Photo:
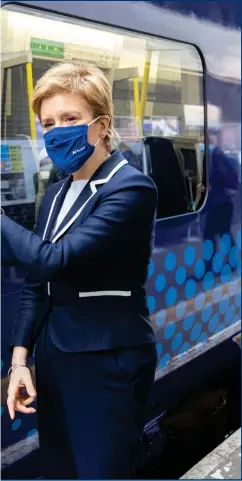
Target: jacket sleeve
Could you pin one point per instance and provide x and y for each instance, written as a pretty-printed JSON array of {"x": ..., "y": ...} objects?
[
  {"x": 123, "y": 213},
  {"x": 31, "y": 308},
  {"x": 30, "y": 314}
]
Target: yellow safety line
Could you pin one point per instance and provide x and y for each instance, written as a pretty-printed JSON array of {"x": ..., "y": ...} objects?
[{"x": 30, "y": 96}]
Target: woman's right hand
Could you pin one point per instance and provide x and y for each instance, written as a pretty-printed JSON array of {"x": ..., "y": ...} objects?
[{"x": 21, "y": 392}]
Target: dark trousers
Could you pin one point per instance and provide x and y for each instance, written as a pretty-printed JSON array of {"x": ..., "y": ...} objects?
[
  {"x": 218, "y": 222},
  {"x": 91, "y": 408}
]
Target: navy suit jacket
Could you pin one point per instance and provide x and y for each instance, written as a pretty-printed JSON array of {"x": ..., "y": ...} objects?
[{"x": 88, "y": 280}]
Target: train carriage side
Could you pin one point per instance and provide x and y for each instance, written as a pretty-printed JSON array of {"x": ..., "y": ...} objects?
[{"x": 177, "y": 119}]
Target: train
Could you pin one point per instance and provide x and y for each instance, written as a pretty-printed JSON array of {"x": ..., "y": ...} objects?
[{"x": 175, "y": 77}]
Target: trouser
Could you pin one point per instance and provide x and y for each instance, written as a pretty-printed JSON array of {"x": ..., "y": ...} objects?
[
  {"x": 218, "y": 222},
  {"x": 91, "y": 408}
]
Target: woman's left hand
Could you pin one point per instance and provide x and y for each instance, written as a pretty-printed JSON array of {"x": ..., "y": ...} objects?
[{"x": 21, "y": 392}]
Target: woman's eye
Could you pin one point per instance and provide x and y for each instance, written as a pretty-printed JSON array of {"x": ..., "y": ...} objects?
[
  {"x": 70, "y": 119},
  {"x": 47, "y": 125}
]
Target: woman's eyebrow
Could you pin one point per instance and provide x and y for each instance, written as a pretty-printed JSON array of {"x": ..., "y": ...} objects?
[
  {"x": 70, "y": 112},
  {"x": 62, "y": 114},
  {"x": 45, "y": 120}
]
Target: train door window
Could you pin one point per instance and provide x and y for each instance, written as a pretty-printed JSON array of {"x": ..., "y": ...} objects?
[
  {"x": 172, "y": 138},
  {"x": 18, "y": 161},
  {"x": 157, "y": 87}
]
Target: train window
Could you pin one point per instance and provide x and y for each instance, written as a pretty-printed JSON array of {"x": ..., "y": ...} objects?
[{"x": 157, "y": 87}]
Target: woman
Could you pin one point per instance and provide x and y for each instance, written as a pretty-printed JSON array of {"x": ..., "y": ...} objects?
[{"x": 83, "y": 304}]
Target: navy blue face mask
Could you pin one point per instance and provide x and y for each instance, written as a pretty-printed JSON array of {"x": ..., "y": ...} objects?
[{"x": 68, "y": 147}]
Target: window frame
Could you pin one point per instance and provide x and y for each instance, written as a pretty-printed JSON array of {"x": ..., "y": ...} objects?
[{"x": 33, "y": 9}]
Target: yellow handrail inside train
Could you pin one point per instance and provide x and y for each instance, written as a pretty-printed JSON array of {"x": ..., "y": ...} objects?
[
  {"x": 145, "y": 84},
  {"x": 32, "y": 123},
  {"x": 137, "y": 106}
]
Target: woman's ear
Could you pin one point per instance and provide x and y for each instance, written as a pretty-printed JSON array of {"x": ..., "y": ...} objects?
[{"x": 105, "y": 121}]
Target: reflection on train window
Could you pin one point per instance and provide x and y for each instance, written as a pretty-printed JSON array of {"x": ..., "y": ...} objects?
[{"x": 157, "y": 86}]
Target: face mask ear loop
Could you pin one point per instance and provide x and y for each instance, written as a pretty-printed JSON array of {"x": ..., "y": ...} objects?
[
  {"x": 110, "y": 133},
  {"x": 92, "y": 122},
  {"x": 97, "y": 142}
]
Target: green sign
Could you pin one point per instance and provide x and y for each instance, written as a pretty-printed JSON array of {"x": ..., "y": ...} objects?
[{"x": 47, "y": 48}]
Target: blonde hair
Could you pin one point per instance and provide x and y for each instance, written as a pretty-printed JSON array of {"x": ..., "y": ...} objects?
[{"x": 87, "y": 80}]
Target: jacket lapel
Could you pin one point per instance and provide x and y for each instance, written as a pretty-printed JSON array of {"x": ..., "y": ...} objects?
[
  {"x": 81, "y": 201},
  {"x": 102, "y": 175},
  {"x": 55, "y": 207}
]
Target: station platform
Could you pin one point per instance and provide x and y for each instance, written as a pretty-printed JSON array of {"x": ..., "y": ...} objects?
[{"x": 224, "y": 462}]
